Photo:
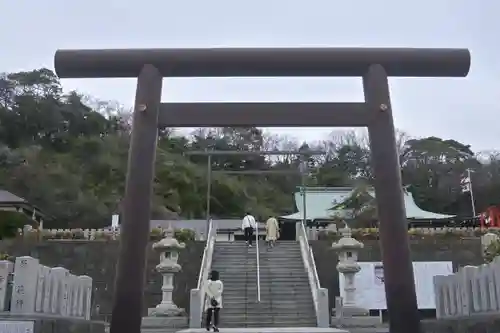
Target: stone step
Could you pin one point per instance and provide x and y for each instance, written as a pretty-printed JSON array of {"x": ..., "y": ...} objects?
[
  {"x": 267, "y": 294},
  {"x": 310, "y": 329},
  {"x": 274, "y": 310},
  {"x": 277, "y": 290},
  {"x": 268, "y": 286},
  {"x": 297, "y": 279},
  {"x": 263, "y": 317},
  {"x": 235, "y": 270},
  {"x": 267, "y": 299},
  {"x": 226, "y": 275},
  {"x": 243, "y": 244},
  {"x": 260, "y": 321},
  {"x": 277, "y": 297},
  {"x": 244, "y": 247},
  {"x": 292, "y": 257},
  {"x": 291, "y": 253},
  {"x": 262, "y": 247},
  {"x": 241, "y": 262},
  {"x": 252, "y": 256},
  {"x": 252, "y": 297},
  {"x": 252, "y": 283},
  {"x": 233, "y": 276},
  {"x": 289, "y": 289}
]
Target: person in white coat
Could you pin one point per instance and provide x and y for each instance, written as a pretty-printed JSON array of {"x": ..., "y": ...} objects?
[
  {"x": 213, "y": 300},
  {"x": 272, "y": 231},
  {"x": 248, "y": 225}
]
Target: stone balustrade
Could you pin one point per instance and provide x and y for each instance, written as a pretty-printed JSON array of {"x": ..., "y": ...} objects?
[
  {"x": 27, "y": 287},
  {"x": 471, "y": 290},
  {"x": 85, "y": 234},
  {"x": 315, "y": 233}
]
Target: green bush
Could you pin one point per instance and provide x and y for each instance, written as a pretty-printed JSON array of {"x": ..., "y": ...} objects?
[
  {"x": 184, "y": 235},
  {"x": 155, "y": 234},
  {"x": 492, "y": 251}
]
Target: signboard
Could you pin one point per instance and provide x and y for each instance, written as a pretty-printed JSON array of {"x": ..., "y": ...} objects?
[
  {"x": 370, "y": 289},
  {"x": 16, "y": 326},
  {"x": 115, "y": 221}
]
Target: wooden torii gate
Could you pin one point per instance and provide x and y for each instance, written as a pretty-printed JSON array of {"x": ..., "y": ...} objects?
[{"x": 374, "y": 65}]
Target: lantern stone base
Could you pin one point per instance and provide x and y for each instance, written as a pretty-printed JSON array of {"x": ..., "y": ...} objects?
[
  {"x": 354, "y": 311},
  {"x": 163, "y": 324},
  {"x": 166, "y": 310}
]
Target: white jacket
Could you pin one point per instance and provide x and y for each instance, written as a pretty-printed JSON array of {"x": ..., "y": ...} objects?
[
  {"x": 213, "y": 289},
  {"x": 248, "y": 221}
]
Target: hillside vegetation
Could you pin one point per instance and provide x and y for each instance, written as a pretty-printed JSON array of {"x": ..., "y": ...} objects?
[{"x": 67, "y": 154}]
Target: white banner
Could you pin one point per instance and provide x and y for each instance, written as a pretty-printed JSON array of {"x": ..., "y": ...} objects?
[{"x": 370, "y": 289}]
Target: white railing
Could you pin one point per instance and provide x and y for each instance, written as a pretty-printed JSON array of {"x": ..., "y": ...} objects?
[
  {"x": 197, "y": 296},
  {"x": 473, "y": 290},
  {"x": 257, "y": 253},
  {"x": 320, "y": 295}
]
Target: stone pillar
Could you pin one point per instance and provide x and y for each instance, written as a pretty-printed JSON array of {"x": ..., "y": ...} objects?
[
  {"x": 6, "y": 268},
  {"x": 86, "y": 296},
  {"x": 168, "y": 248},
  {"x": 347, "y": 249},
  {"x": 24, "y": 288}
]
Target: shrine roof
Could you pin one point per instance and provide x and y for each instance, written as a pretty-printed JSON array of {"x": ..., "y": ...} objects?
[{"x": 320, "y": 200}]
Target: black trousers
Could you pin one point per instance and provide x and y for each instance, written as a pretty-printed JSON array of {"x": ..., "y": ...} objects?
[
  {"x": 249, "y": 235},
  {"x": 213, "y": 312}
]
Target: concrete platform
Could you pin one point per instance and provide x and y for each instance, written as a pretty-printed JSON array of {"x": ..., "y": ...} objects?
[{"x": 269, "y": 330}]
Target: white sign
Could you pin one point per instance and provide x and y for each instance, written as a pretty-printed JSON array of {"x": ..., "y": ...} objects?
[
  {"x": 16, "y": 326},
  {"x": 370, "y": 289},
  {"x": 115, "y": 221}
]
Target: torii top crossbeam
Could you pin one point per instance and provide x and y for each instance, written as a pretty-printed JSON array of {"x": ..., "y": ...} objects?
[{"x": 263, "y": 62}]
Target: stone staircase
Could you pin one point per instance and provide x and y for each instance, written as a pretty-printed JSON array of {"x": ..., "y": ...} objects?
[{"x": 286, "y": 299}]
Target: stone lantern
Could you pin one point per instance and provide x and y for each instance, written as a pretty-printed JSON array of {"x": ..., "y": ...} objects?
[
  {"x": 347, "y": 249},
  {"x": 168, "y": 248}
]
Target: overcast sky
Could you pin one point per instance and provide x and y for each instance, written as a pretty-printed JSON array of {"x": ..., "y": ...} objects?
[{"x": 463, "y": 109}]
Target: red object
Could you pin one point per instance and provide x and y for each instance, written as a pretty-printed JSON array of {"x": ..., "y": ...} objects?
[{"x": 490, "y": 217}]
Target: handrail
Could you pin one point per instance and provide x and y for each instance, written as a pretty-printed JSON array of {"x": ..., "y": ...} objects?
[
  {"x": 204, "y": 259},
  {"x": 258, "y": 260},
  {"x": 311, "y": 257},
  {"x": 320, "y": 295},
  {"x": 197, "y": 297}
]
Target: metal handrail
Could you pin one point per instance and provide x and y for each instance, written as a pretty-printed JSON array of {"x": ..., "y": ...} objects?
[
  {"x": 258, "y": 260},
  {"x": 197, "y": 296},
  {"x": 204, "y": 259}
]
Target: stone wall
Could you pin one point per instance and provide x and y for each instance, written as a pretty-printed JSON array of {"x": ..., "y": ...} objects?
[
  {"x": 56, "y": 324},
  {"x": 97, "y": 259},
  {"x": 488, "y": 323},
  {"x": 459, "y": 251}
]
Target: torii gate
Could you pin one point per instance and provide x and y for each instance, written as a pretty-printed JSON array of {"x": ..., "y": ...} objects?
[{"x": 374, "y": 65}]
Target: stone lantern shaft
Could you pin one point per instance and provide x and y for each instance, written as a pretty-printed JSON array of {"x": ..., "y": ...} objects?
[
  {"x": 348, "y": 248},
  {"x": 168, "y": 248}
]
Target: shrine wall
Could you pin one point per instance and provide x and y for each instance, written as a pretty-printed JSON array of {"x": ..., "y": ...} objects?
[
  {"x": 460, "y": 252},
  {"x": 97, "y": 259}
]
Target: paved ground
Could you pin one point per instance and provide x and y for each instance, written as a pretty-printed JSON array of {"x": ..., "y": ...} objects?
[{"x": 269, "y": 330}]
